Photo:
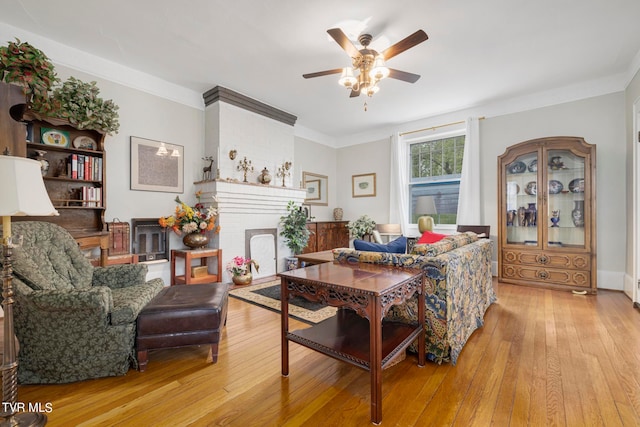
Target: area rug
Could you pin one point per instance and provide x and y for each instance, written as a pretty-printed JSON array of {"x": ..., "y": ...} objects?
[{"x": 267, "y": 295}]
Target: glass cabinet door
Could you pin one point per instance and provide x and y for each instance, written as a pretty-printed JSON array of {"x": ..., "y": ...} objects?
[
  {"x": 565, "y": 199},
  {"x": 522, "y": 199}
]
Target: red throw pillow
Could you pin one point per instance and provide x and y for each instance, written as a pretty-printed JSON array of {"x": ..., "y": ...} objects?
[{"x": 430, "y": 237}]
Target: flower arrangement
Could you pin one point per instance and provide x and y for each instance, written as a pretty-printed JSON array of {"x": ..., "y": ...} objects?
[
  {"x": 239, "y": 266},
  {"x": 361, "y": 226},
  {"x": 189, "y": 219}
]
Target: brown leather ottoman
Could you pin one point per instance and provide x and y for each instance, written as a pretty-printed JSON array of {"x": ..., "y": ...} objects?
[{"x": 182, "y": 315}]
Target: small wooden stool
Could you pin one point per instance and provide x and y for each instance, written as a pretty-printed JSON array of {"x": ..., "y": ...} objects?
[{"x": 181, "y": 316}]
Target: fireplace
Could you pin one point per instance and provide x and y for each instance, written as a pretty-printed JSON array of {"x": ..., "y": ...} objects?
[
  {"x": 150, "y": 241},
  {"x": 261, "y": 245},
  {"x": 251, "y": 212}
]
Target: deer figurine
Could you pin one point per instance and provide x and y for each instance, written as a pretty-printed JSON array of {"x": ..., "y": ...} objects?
[{"x": 206, "y": 171}]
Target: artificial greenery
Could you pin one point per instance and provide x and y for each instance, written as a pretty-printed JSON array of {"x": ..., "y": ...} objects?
[
  {"x": 78, "y": 102},
  {"x": 27, "y": 66},
  {"x": 361, "y": 226},
  {"x": 294, "y": 228}
]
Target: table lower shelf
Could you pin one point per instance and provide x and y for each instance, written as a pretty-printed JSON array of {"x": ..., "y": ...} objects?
[
  {"x": 209, "y": 278},
  {"x": 345, "y": 337}
]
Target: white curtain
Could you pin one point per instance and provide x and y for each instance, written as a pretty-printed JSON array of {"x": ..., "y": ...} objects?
[
  {"x": 399, "y": 203},
  {"x": 469, "y": 207}
]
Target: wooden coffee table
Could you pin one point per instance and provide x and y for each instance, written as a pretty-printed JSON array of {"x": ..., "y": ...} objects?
[{"x": 364, "y": 291}]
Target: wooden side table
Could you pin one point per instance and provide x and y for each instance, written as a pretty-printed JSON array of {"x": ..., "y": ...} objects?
[
  {"x": 356, "y": 336},
  {"x": 190, "y": 254},
  {"x": 93, "y": 240}
]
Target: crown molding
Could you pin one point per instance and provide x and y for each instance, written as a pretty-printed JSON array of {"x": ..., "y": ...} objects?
[
  {"x": 229, "y": 96},
  {"x": 61, "y": 54}
]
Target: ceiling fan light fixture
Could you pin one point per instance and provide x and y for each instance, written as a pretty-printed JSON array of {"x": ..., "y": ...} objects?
[
  {"x": 379, "y": 70},
  {"x": 347, "y": 79},
  {"x": 372, "y": 89}
]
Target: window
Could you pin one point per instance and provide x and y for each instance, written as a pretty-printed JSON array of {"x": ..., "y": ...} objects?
[{"x": 434, "y": 178}]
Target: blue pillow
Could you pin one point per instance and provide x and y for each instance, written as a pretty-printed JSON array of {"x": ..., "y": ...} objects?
[{"x": 397, "y": 246}]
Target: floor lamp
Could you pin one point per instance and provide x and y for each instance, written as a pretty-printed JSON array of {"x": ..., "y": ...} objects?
[{"x": 22, "y": 193}]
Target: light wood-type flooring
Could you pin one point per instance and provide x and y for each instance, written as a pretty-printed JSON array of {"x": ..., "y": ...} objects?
[{"x": 542, "y": 358}]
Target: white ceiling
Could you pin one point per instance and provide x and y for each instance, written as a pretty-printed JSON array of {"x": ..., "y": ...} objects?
[{"x": 478, "y": 52}]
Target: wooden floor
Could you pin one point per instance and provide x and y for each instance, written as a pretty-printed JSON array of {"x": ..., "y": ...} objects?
[{"x": 542, "y": 358}]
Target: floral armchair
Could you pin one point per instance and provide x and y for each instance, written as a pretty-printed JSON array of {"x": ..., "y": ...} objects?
[{"x": 73, "y": 321}]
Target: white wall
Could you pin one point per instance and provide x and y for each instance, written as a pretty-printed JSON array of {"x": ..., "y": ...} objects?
[
  {"x": 632, "y": 94},
  {"x": 600, "y": 120},
  {"x": 266, "y": 142},
  {"x": 321, "y": 160},
  {"x": 151, "y": 117},
  {"x": 359, "y": 159}
]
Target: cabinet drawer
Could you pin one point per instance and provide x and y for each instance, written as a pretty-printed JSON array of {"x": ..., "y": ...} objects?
[
  {"x": 575, "y": 261},
  {"x": 546, "y": 275}
]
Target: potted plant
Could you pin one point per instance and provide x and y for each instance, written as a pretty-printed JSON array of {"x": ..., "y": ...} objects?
[
  {"x": 27, "y": 66},
  {"x": 78, "y": 102},
  {"x": 361, "y": 227},
  {"x": 295, "y": 231}
]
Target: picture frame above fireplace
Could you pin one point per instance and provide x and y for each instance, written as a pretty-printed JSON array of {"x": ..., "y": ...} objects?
[{"x": 156, "y": 166}]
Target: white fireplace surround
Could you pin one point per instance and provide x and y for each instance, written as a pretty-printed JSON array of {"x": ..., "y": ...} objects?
[{"x": 243, "y": 206}]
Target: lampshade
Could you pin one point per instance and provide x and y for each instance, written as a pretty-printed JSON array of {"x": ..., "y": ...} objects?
[
  {"x": 426, "y": 205},
  {"x": 379, "y": 70},
  {"x": 22, "y": 191},
  {"x": 347, "y": 79}
]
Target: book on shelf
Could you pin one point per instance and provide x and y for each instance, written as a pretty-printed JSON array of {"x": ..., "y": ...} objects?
[{"x": 87, "y": 168}]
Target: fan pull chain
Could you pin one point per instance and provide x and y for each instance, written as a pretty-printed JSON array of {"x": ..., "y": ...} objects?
[{"x": 365, "y": 106}]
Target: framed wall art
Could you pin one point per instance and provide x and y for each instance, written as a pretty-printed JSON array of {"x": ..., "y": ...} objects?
[
  {"x": 156, "y": 166},
  {"x": 363, "y": 185},
  {"x": 317, "y": 189},
  {"x": 313, "y": 190}
]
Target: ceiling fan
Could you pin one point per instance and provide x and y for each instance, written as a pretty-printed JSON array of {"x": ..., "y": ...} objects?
[{"x": 369, "y": 63}]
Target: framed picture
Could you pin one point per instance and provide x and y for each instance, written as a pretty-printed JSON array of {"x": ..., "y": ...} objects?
[
  {"x": 156, "y": 166},
  {"x": 313, "y": 189},
  {"x": 317, "y": 189},
  {"x": 363, "y": 185}
]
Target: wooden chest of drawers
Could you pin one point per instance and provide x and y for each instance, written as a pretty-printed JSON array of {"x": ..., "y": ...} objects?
[
  {"x": 327, "y": 235},
  {"x": 553, "y": 269}
]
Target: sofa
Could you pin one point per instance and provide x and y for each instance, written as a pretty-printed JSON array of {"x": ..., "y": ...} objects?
[
  {"x": 73, "y": 321},
  {"x": 459, "y": 289}
]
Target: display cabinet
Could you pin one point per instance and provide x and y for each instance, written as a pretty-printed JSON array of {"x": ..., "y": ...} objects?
[{"x": 547, "y": 214}]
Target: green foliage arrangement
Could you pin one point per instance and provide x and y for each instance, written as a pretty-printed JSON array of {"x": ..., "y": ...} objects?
[
  {"x": 361, "y": 227},
  {"x": 294, "y": 228},
  {"x": 78, "y": 102},
  {"x": 27, "y": 66}
]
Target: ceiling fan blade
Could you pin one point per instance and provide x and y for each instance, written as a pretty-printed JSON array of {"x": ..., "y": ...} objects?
[
  {"x": 322, "y": 73},
  {"x": 354, "y": 93},
  {"x": 403, "y": 75},
  {"x": 342, "y": 39},
  {"x": 404, "y": 44}
]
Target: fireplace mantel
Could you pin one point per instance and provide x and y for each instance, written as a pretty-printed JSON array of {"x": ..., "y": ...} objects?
[
  {"x": 245, "y": 206},
  {"x": 235, "y": 197}
]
